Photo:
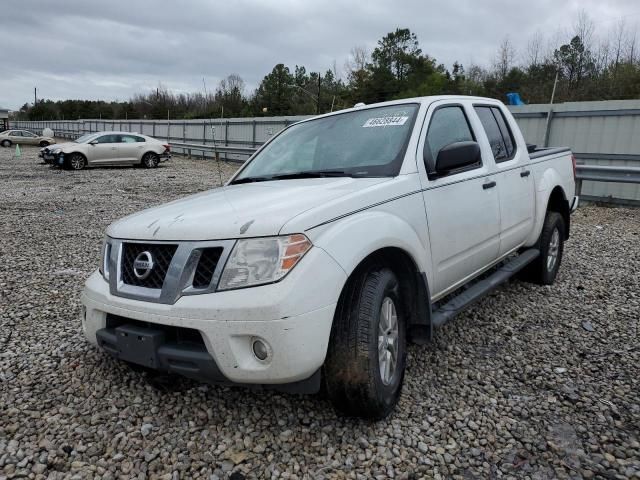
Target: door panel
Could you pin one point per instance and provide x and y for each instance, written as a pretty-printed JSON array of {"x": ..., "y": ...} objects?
[
  {"x": 104, "y": 152},
  {"x": 16, "y": 137},
  {"x": 464, "y": 229},
  {"x": 514, "y": 177},
  {"x": 130, "y": 148},
  {"x": 463, "y": 211},
  {"x": 517, "y": 206}
]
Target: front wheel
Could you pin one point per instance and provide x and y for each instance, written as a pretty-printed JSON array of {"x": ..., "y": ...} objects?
[
  {"x": 76, "y": 161},
  {"x": 150, "y": 160},
  {"x": 6, "y": 143},
  {"x": 366, "y": 358},
  {"x": 44, "y": 143},
  {"x": 543, "y": 270}
]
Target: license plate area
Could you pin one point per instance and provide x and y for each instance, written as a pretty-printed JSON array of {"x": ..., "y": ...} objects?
[{"x": 139, "y": 345}]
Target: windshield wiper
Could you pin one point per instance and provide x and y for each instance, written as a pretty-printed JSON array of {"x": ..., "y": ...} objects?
[
  {"x": 295, "y": 175},
  {"x": 312, "y": 174},
  {"x": 250, "y": 180}
]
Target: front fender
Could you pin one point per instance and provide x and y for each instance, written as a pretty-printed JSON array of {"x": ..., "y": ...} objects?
[{"x": 352, "y": 239}]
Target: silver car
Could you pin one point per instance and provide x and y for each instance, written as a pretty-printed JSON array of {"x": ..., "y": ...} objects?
[
  {"x": 23, "y": 137},
  {"x": 108, "y": 148}
]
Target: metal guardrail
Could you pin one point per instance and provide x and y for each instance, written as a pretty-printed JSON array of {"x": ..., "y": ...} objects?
[
  {"x": 606, "y": 173},
  {"x": 215, "y": 150}
]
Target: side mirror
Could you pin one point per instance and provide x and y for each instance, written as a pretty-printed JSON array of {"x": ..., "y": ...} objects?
[
  {"x": 93, "y": 142},
  {"x": 457, "y": 155}
]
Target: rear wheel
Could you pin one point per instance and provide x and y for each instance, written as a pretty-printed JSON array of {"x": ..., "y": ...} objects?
[
  {"x": 6, "y": 143},
  {"x": 366, "y": 358},
  {"x": 543, "y": 270},
  {"x": 150, "y": 160},
  {"x": 76, "y": 161}
]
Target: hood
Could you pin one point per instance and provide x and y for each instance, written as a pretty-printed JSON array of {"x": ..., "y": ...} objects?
[
  {"x": 235, "y": 211},
  {"x": 54, "y": 146}
]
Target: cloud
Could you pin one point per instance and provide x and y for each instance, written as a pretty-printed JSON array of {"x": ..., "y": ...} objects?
[{"x": 111, "y": 50}]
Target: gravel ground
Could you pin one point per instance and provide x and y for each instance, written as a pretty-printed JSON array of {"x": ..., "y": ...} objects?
[{"x": 533, "y": 382}]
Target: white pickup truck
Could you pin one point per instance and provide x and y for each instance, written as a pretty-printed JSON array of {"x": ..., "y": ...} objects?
[{"x": 341, "y": 239}]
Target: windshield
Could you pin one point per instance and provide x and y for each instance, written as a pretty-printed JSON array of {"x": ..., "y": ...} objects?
[
  {"x": 85, "y": 138},
  {"x": 369, "y": 142}
]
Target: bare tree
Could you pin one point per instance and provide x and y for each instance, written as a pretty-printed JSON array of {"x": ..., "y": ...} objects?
[
  {"x": 504, "y": 59},
  {"x": 534, "y": 54},
  {"x": 631, "y": 47},
  {"x": 619, "y": 40},
  {"x": 476, "y": 74},
  {"x": 232, "y": 84},
  {"x": 358, "y": 59},
  {"x": 583, "y": 27}
]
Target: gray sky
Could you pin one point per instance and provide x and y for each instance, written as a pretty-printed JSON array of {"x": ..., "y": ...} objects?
[{"x": 112, "y": 49}]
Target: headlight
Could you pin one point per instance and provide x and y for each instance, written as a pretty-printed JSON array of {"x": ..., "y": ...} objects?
[
  {"x": 104, "y": 259},
  {"x": 256, "y": 261},
  {"x": 56, "y": 151}
]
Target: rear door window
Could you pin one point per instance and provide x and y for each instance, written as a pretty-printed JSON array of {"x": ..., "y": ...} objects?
[
  {"x": 507, "y": 135},
  {"x": 498, "y": 133},
  {"x": 131, "y": 139}
]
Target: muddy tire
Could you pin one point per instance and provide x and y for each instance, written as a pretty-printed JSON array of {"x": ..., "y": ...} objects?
[
  {"x": 366, "y": 359},
  {"x": 6, "y": 143},
  {"x": 543, "y": 270}
]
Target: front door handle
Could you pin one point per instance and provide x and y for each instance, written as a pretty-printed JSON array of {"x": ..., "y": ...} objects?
[
  {"x": 488, "y": 185},
  {"x": 525, "y": 173}
]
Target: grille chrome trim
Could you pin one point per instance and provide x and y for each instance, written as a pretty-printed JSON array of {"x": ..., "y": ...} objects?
[{"x": 180, "y": 272}]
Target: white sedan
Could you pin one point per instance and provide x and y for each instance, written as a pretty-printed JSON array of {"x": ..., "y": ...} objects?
[
  {"x": 108, "y": 148},
  {"x": 24, "y": 137}
]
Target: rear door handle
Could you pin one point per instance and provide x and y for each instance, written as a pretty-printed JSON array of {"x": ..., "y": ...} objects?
[
  {"x": 488, "y": 185},
  {"x": 525, "y": 173}
]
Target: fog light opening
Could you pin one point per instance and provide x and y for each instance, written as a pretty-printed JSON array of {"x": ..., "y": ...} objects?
[{"x": 260, "y": 349}]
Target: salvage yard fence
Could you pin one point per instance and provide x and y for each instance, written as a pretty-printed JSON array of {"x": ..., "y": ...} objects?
[{"x": 604, "y": 136}]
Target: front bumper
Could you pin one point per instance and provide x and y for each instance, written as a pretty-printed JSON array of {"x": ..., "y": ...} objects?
[{"x": 294, "y": 322}]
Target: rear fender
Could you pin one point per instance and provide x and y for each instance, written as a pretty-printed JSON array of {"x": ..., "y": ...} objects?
[{"x": 549, "y": 180}]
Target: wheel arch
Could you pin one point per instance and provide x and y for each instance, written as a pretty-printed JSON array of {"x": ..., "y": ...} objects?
[
  {"x": 146, "y": 152},
  {"x": 357, "y": 241},
  {"x": 413, "y": 285},
  {"x": 557, "y": 202}
]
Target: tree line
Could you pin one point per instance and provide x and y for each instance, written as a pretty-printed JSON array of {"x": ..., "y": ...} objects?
[{"x": 586, "y": 67}]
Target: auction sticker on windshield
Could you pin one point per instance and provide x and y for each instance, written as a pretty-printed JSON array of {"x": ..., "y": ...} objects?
[{"x": 387, "y": 121}]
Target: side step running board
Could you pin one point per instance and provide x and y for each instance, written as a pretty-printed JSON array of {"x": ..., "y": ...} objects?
[{"x": 450, "y": 309}]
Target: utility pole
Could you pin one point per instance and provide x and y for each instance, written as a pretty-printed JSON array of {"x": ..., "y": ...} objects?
[
  {"x": 547, "y": 130},
  {"x": 318, "y": 102},
  {"x": 35, "y": 96}
]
